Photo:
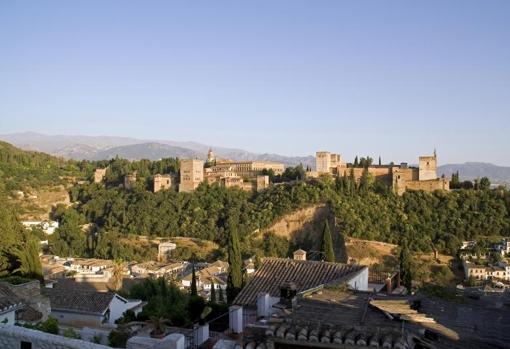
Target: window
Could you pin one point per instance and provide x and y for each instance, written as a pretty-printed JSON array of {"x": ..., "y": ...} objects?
[{"x": 25, "y": 345}]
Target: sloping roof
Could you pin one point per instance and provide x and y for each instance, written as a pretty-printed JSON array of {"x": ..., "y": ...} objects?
[
  {"x": 8, "y": 300},
  {"x": 79, "y": 300},
  {"x": 29, "y": 314},
  {"x": 275, "y": 272}
]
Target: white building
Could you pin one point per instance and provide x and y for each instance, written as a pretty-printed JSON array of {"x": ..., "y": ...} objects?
[
  {"x": 48, "y": 227},
  {"x": 80, "y": 308}
]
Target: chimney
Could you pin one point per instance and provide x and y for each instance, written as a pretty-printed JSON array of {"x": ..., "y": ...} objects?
[
  {"x": 235, "y": 318},
  {"x": 300, "y": 255},
  {"x": 388, "y": 285},
  {"x": 263, "y": 305}
]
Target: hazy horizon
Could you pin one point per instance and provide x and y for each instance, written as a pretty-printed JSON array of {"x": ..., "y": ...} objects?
[{"x": 394, "y": 79}]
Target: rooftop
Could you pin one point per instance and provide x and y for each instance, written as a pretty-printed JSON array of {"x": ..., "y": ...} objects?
[
  {"x": 79, "y": 300},
  {"x": 275, "y": 272}
]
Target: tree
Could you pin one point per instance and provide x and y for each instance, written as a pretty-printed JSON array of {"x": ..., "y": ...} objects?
[
  {"x": 117, "y": 274},
  {"x": 406, "y": 268},
  {"x": 364, "y": 183},
  {"x": 485, "y": 183},
  {"x": 213, "y": 292},
  {"x": 193, "y": 289},
  {"x": 455, "y": 182},
  {"x": 327, "y": 244},
  {"x": 28, "y": 258},
  {"x": 235, "y": 273},
  {"x": 356, "y": 163}
]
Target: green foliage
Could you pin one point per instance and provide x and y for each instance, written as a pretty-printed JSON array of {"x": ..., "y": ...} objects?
[
  {"x": 235, "y": 274},
  {"x": 70, "y": 333},
  {"x": 406, "y": 265},
  {"x": 163, "y": 299},
  {"x": 193, "y": 289},
  {"x": 327, "y": 244},
  {"x": 213, "y": 292},
  {"x": 49, "y": 326},
  {"x": 118, "y": 337},
  {"x": 274, "y": 245},
  {"x": 29, "y": 261}
]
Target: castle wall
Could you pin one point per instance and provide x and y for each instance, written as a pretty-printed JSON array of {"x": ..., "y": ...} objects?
[{"x": 429, "y": 185}]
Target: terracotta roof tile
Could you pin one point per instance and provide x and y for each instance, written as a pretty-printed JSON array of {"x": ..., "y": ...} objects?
[{"x": 274, "y": 272}]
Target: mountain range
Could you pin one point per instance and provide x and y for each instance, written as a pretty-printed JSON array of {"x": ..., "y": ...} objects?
[{"x": 80, "y": 147}]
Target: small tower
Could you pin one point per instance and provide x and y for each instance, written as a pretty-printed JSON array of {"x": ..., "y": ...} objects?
[
  {"x": 211, "y": 158},
  {"x": 300, "y": 255}
]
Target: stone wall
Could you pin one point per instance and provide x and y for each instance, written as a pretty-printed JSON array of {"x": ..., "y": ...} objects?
[{"x": 13, "y": 336}]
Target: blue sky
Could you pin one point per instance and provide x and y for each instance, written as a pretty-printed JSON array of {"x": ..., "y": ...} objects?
[{"x": 389, "y": 78}]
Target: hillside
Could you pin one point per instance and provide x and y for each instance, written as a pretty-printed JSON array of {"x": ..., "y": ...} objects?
[
  {"x": 20, "y": 169},
  {"x": 151, "y": 151}
]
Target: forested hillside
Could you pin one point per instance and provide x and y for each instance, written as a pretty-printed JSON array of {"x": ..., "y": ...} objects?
[
  {"x": 20, "y": 169},
  {"x": 365, "y": 210},
  {"x": 439, "y": 220}
]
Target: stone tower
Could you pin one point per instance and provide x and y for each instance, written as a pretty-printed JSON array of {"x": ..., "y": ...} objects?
[
  {"x": 428, "y": 167},
  {"x": 322, "y": 161},
  {"x": 162, "y": 182},
  {"x": 192, "y": 174}
]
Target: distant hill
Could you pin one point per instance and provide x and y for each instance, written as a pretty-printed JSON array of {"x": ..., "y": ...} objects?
[
  {"x": 151, "y": 151},
  {"x": 472, "y": 170},
  {"x": 79, "y": 147}
]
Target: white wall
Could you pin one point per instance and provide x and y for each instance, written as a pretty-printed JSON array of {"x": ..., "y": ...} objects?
[
  {"x": 118, "y": 306},
  {"x": 12, "y": 336},
  {"x": 360, "y": 281},
  {"x": 76, "y": 319},
  {"x": 9, "y": 316}
]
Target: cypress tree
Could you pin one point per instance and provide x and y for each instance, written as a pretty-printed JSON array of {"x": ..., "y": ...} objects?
[
  {"x": 235, "y": 274},
  {"x": 379, "y": 160},
  {"x": 356, "y": 162},
  {"x": 193, "y": 288},
  {"x": 30, "y": 263},
  {"x": 213, "y": 292},
  {"x": 405, "y": 262},
  {"x": 221, "y": 298},
  {"x": 327, "y": 244}
]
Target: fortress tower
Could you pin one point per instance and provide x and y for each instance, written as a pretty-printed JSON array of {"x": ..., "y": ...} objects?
[
  {"x": 192, "y": 174},
  {"x": 162, "y": 182},
  {"x": 428, "y": 167}
]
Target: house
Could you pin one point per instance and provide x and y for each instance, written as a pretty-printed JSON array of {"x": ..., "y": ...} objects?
[
  {"x": 156, "y": 269},
  {"x": 22, "y": 303},
  {"x": 213, "y": 273},
  {"x": 48, "y": 227},
  {"x": 88, "y": 265},
  {"x": 79, "y": 307},
  {"x": 9, "y": 304},
  {"x": 304, "y": 274}
]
